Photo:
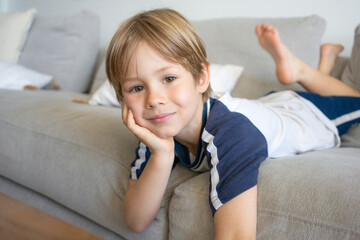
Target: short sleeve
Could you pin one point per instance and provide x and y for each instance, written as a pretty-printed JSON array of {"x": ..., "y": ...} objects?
[{"x": 235, "y": 148}]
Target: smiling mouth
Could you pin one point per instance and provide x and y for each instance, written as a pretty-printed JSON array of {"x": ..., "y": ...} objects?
[{"x": 161, "y": 118}]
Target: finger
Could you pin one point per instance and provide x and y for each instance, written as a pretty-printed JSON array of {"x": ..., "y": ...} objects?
[
  {"x": 130, "y": 117},
  {"x": 131, "y": 123},
  {"x": 142, "y": 133},
  {"x": 139, "y": 131},
  {"x": 125, "y": 111}
]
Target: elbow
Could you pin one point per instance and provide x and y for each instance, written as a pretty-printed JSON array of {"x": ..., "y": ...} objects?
[
  {"x": 136, "y": 219},
  {"x": 135, "y": 226}
]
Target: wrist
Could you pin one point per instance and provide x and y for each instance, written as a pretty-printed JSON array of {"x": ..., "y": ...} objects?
[
  {"x": 163, "y": 148},
  {"x": 164, "y": 158},
  {"x": 163, "y": 154}
]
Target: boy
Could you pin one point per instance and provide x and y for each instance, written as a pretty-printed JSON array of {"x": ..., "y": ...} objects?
[{"x": 157, "y": 64}]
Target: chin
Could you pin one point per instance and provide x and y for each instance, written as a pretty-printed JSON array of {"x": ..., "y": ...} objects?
[{"x": 164, "y": 134}]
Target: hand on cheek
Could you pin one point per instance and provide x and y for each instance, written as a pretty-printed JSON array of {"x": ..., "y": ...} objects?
[
  {"x": 153, "y": 142},
  {"x": 128, "y": 117}
]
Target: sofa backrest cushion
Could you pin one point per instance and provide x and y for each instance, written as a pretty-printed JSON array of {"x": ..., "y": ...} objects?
[
  {"x": 14, "y": 28},
  {"x": 234, "y": 41},
  {"x": 65, "y": 47},
  {"x": 351, "y": 74}
]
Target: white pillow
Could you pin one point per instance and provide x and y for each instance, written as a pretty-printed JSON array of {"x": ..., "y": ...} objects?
[
  {"x": 105, "y": 95},
  {"x": 14, "y": 29},
  {"x": 223, "y": 78},
  {"x": 16, "y": 77}
]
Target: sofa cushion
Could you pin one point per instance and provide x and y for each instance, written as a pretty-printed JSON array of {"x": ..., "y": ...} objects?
[
  {"x": 351, "y": 74},
  {"x": 318, "y": 191},
  {"x": 76, "y": 154},
  {"x": 234, "y": 41},
  {"x": 14, "y": 28},
  {"x": 64, "y": 47}
]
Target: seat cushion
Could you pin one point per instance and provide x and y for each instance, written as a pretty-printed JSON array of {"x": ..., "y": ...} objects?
[
  {"x": 315, "y": 195},
  {"x": 75, "y": 154}
]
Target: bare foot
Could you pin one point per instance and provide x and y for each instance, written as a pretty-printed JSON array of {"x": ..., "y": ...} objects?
[
  {"x": 286, "y": 63},
  {"x": 329, "y": 53}
]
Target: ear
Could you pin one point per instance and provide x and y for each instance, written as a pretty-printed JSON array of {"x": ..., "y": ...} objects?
[{"x": 204, "y": 81}]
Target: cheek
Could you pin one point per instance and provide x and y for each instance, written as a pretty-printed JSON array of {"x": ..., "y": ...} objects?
[
  {"x": 135, "y": 106},
  {"x": 186, "y": 95}
]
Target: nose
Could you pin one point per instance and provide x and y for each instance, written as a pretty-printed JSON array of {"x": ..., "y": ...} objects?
[{"x": 155, "y": 98}]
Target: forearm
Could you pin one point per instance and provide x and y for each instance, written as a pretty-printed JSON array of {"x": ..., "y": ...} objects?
[
  {"x": 143, "y": 198},
  {"x": 236, "y": 219}
]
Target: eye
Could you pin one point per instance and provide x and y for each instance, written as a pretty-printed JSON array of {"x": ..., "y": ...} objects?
[
  {"x": 169, "y": 79},
  {"x": 137, "y": 89}
]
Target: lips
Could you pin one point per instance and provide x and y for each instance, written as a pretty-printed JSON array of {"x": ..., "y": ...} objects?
[{"x": 161, "y": 118}]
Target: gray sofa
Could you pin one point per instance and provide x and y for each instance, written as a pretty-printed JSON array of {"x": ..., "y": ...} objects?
[{"x": 73, "y": 160}]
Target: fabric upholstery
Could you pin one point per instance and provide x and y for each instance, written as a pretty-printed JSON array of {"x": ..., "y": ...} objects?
[
  {"x": 65, "y": 47},
  {"x": 314, "y": 195},
  {"x": 74, "y": 155}
]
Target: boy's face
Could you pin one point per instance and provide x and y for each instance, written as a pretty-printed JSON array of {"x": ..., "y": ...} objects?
[{"x": 163, "y": 95}]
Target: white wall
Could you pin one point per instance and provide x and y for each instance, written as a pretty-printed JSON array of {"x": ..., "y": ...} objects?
[{"x": 342, "y": 16}]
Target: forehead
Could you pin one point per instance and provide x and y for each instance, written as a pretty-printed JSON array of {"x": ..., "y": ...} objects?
[{"x": 147, "y": 59}]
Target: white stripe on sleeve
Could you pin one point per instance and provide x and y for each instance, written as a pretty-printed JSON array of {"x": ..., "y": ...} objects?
[{"x": 211, "y": 148}]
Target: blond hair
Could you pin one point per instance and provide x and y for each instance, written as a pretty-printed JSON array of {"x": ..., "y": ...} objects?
[{"x": 165, "y": 30}]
